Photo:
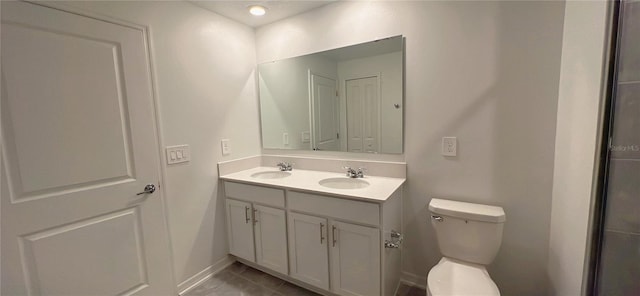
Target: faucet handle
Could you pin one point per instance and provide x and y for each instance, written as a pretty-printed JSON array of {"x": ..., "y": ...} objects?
[
  {"x": 351, "y": 173},
  {"x": 284, "y": 166}
]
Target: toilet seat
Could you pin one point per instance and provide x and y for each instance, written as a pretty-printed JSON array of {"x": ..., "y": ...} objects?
[{"x": 451, "y": 277}]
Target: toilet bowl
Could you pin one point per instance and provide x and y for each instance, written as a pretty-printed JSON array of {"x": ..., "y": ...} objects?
[
  {"x": 469, "y": 236},
  {"x": 451, "y": 277}
]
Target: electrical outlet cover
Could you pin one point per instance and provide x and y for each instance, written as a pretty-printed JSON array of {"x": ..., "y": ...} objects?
[
  {"x": 226, "y": 148},
  {"x": 449, "y": 146}
]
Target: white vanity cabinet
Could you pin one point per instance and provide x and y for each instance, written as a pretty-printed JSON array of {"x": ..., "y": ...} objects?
[
  {"x": 353, "y": 251},
  {"x": 270, "y": 232},
  {"x": 332, "y": 243},
  {"x": 308, "y": 249},
  {"x": 257, "y": 233},
  {"x": 352, "y": 240},
  {"x": 240, "y": 229},
  {"x": 355, "y": 259}
]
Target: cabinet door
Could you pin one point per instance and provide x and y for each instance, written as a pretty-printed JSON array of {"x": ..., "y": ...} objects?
[
  {"x": 355, "y": 259},
  {"x": 240, "y": 229},
  {"x": 308, "y": 249},
  {"x": 271, "y": 238}
]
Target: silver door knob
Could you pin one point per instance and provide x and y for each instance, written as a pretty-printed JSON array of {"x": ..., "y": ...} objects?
[{"x": 150, "y": 188}]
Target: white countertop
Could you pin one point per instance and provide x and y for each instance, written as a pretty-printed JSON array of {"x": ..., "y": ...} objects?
[{"x": 379, "y": 189}]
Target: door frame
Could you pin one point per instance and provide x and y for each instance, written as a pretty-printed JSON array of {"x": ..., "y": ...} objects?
[
  {"x": 595, "y": 230},
  {"x": 156, "y": 114},
  {"x": 343, "y": 103}
]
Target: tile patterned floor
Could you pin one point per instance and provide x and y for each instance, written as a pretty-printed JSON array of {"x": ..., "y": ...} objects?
[{"x": 241, "y": 280}]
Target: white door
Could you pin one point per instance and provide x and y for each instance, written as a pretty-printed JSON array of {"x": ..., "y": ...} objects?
[
  {"x": 78, "y": 143},
  {"x": 240, "y": 229},
  {"x": 271, "y": 238},
  {"x": 308, "y": 249},
  {"x": 325, "y": 113},
  {"x": 363, "y": 115},
  {"x": 355, "y": 260}
]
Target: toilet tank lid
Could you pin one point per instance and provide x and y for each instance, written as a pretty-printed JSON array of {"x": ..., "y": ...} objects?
[{"x": 466, "y": 210}]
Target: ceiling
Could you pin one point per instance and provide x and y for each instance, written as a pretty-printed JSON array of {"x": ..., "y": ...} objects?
[{"x": 276, "y": 10}]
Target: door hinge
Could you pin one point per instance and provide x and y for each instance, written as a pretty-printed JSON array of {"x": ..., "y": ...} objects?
[
  {"x": 337, "y": 93},
  {"x": 338, "y": 136}
]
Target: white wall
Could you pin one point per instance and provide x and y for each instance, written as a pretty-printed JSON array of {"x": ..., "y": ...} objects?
[
  {"x": 579, "y": 99},
  {"x": 486, "y": 72},
  {"x": 204, "y": 66},
  {"x": 389, "y": 66}
]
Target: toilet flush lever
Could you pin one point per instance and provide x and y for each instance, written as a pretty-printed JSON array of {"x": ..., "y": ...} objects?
[
  {"x": 395, "y": 242},
  {"x": 437, "y": 218}
]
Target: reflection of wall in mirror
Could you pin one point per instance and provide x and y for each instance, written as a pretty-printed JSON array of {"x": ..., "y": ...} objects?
[
  {"x": 389, "y": 67},
  {"x": 284, "y": 99}
]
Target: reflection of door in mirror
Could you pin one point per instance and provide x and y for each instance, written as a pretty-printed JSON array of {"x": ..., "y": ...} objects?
[
  {"x": 324, "y": 105},
  {"x": 363, "y": 116}
]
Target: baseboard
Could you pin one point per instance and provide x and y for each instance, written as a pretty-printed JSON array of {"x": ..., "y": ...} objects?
[
  {"x": 415, "y": 280},
  {"x": 204, "y": 275}
]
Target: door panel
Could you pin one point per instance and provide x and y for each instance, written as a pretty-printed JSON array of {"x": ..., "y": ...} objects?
[
  {"x": 355, "y": 117},
  {"x": 240, "y": 229},
  {"x": 74, "y": 157},
  {"x": 65, "y": 142},
  {"x": 325, "y": 113},
  {"x": 355, "y": 259},
  {"x": 308, "y": 249},
  {"x": 79, "y": 248},
  {"x": 363, "y": 115},
  {"x": 271, "y": 238},
  {"x": 371, "y": 119}
]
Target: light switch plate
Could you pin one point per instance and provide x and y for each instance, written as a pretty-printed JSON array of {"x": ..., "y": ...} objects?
[
  {"x": 226, "y": 148},
  {"x": 285, "y": 139},
  {"x": 178, "y": 154},
  {"x": 306, "y": 137},
  {"x": 449, "y": 146}
]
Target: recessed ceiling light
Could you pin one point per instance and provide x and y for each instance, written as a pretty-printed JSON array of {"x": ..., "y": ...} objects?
[{"x": 257, "y": 10}]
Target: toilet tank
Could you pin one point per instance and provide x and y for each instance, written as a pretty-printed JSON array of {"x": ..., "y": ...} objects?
[{"x": 467, "y": 231}]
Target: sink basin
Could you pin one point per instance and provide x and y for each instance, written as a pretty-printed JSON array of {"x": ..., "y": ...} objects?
[
  {"x": 271, "y": 175},
  {"x": 344, "y": 183}
]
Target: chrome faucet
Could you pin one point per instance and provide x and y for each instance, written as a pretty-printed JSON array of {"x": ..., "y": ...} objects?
[
  {"x": 284, "y": 166},
  {"x": 352, "y": 173}
]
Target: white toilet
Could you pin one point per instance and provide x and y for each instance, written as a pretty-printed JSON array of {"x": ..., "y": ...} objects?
[{"x": 469, "y": 236}]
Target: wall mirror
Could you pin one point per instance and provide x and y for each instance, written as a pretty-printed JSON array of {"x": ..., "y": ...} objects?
[{"x": 346, "y": 99}]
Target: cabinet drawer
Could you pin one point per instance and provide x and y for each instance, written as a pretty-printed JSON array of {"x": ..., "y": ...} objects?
[
  {"x": 350, "y": 210},
  {"x": 258, "y": 194}
]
